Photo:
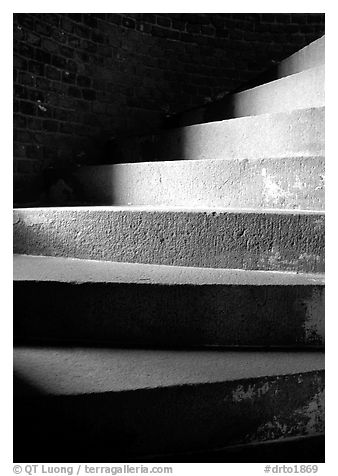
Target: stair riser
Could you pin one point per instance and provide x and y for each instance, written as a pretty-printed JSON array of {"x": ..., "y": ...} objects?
[
  {"x": 298, "y": 91},
  {"x": 296, "y": 183},
  {"x": 180, "y": 418},
  {"x": 170, "y": 316},
  {"x": 297, "y": 133},
  {"x": 269, "y": 241}
]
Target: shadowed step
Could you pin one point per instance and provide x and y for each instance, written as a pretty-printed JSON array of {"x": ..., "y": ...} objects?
[
  {"x": 297, "y": 133},
  {"x": 298, "y": 91},
  {"x": 151, "y": 402},
  {"x": 166, "y": 306}
]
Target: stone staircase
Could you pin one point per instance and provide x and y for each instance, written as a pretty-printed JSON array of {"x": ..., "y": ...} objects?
[{"x": 179, "y": 314}]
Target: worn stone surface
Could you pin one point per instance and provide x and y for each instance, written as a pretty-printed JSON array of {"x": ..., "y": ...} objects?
[
  {"x": 165, "y": 306},
  {"x": 308, "y": 57},
  {"x": 72, "y": 270},
  {"x": 297, "y": 133},
  {"x": 297, "y": 183},
  {"x": 270, "y": 240},
  {"x": 297, "y": 91},
  {"x": 160, "y": 401}
]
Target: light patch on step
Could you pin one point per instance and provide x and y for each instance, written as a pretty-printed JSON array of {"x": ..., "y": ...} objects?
[
  {"x": 272, "y": 191},
  {"x": 314, "y": 412},
  {"x": 314, "y": 326},
  {"x": 298, "y": 184},
  {"x": 240, "y": 393},
  {"x": 322, "y": 184},
  {"x": 31, "y": 219}
]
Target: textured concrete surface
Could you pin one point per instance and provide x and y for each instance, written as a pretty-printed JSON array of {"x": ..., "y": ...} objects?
[
  {"x": 161, "y": 402},
  {"x": 297, "y": 91},
  {"x": 265, "y": 183},
  {"x": 62, "y": 299},
  {"x": 297, "y": 133},
  {"x": 68, "y": 270},
  {"x": 273, "y": 240},
  {"x": 78, "y": 370}
]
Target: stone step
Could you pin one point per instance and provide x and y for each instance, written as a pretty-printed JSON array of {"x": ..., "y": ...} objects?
[
  {"x": 281, "y": 240},
  {"x": 289, "y": 182},
  {"x": 297, "y": 133},
  {"x": 157, "y": 402},
  {"x": 310, "y": 56},
  {"x": 166, "y": 306},
  {"x": 297, "y": 91}
]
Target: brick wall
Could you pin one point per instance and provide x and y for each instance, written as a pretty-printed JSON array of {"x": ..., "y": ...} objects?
[{"x": 80, "y": 79}]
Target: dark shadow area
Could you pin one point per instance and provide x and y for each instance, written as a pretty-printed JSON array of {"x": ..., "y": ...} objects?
[
  {"x": 180, "y": 423},
  {"x": 169, "y": 316}
]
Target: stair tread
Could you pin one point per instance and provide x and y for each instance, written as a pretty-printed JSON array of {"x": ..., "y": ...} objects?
[
  {"x": 78, "y": 370},
  {"x": 200, "y": 161},
  {"x": 166, "y": 209},
  {"x": 46, "y": 268}
]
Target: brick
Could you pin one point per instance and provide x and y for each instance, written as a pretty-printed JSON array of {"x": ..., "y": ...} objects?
[
  {"x": 21, "y": 136},
  {"x": 19, "y": 63},
  {"x": 99, "y": 108},
  {"x": 83, "y": 81},
  {"x": 25, "y": 20},
  {"x": 19, "y": 33},
  {"x": 163, "y": 21},
  {"x": 89, "y": 94},
  {"x": 36, "y": 68},
  {"x": 53, "y": 73},
  {"x": 19, "y": 122},
  {"x": 42, "y": 56},
  {"x": 66, "y": 128},
  {"x": 33, "y": 39},
  {"x": 19, "y": 150},
  {"x": 28, "y": 166},
  {"x": 33, "y": 123},
  {"x": 24, "y": 50},
  {"x": 207, "y": 30},
  {"x": 77, "y": 17},
  {"x": 268, "y": 17},
  {"x": 75, "y": 92},
  {"x": 59, "y": 62},
  {"x": 33, "y": 151},
  {"x": 68, "y": 77},
  {"x": 20, "y": 92},
  {"x": 81, "y": 31},
  {"x": 50, "y": 125},
  {"x": 42, "y": 83},
  {"x": 67, "y": 25},
  {"x": 313, "y": 18},
  {"x": 90, "y": 20},
  {"x": 43, "y": 29},
  {"x": 193, "y": 28},
  {"x": 89, "y": 46},
  {"x": 52, "y": 18},
  {"x": 149, "y": 17},
  {"x": 27, "y": 108},
  {"x": 35, "y": 95}
]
